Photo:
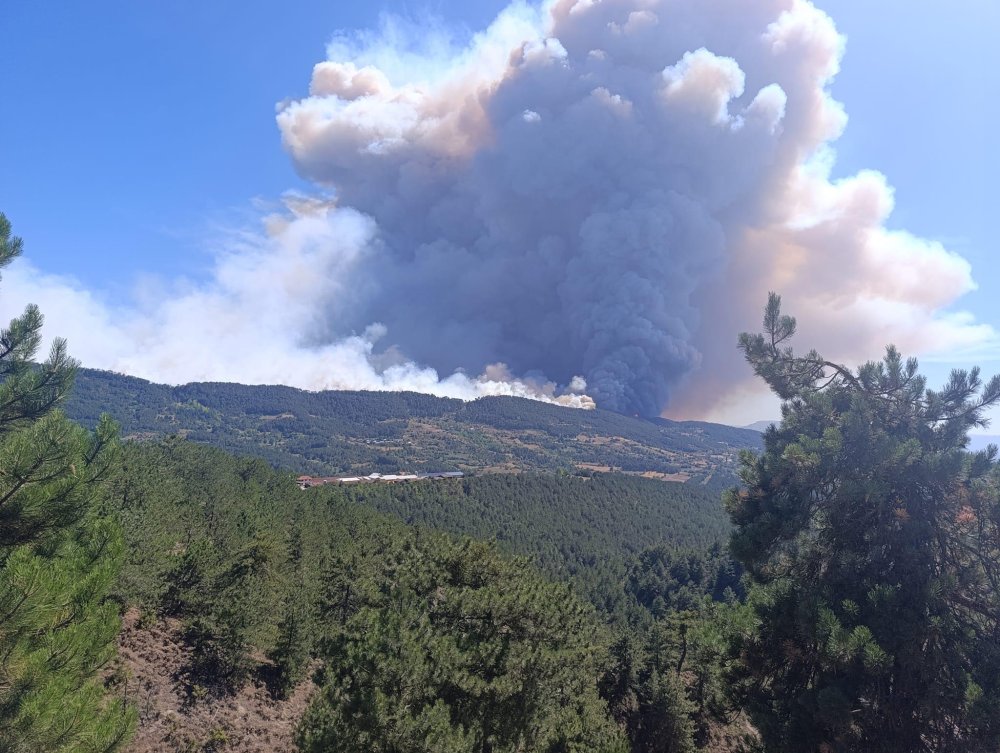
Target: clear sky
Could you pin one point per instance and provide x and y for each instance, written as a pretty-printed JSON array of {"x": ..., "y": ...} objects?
[{"x": 131, "y": 129}]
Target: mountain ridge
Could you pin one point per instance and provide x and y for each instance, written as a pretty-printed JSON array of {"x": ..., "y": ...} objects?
[{"x": 349, "y": 431}]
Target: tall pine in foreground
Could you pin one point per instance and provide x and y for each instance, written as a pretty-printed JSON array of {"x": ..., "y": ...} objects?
[
  {"x": 57, "y": 561},
  {"x": 873, "y": 543}
]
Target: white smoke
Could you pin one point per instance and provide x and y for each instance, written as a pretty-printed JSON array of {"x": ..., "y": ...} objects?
[
  {"x": 592, "y": 196},
  {"x": 255, "y": 321}
]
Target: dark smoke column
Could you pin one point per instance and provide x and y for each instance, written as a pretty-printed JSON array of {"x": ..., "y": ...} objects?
[{"x": 562, "y": 196}]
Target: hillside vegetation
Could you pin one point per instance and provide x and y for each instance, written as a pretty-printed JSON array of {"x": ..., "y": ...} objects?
[
  {"x": 581, "y": 530},
  {"x": 325, "y": 433},
  {"x": 251, "y": 581}
]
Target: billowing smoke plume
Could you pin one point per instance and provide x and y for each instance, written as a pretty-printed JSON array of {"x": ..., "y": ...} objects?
[
  {"x": 610, "y": 188},
  {"x": 592, "y": 197}
]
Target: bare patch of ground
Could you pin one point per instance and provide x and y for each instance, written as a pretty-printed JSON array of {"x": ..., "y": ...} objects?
[
  {"x": 678, "y": 477},
  {"x": 738, "y": 736},
  {"x": 249, "y": 721}
]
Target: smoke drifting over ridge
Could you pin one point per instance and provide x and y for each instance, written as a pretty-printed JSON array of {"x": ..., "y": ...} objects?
[{"x": 594, "y": 196}]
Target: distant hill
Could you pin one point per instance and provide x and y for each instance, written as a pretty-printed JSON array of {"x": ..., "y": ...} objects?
[
  {"x": 332, "y": 432},
  {"x": 761, "y": 426}
]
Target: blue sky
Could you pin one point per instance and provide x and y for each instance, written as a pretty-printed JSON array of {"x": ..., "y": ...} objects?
[
  {"x": 920, "y": 85},
  {"x": 132, "y": 127},
  {"x": 132, "y": 130}
]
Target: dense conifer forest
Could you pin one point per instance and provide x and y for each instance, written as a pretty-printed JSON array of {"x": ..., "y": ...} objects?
[{"x": 582, "y": 530}]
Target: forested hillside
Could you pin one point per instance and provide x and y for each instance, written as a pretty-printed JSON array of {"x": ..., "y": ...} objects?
[
  {"x": 324, "y": 433},
  {"x": 583, "y": 530},
  {"x": 254, "y": 581}
]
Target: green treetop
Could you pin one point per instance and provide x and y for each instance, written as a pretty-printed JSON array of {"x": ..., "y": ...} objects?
[
  {"x": 57, "y": 561},
  {"x": 451, "y": 647},
  {"x": 872, "y": 541}
]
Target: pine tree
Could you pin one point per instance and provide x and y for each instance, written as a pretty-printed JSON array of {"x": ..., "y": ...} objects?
[
  {"x": 645, "y": 692},
  {"x": 222, "y": 633},
  {"x": 293, "y": 647},
  {"x": 57, "y": 559},
  {"x": 452, "y": 647},
  {"x": 665, "y": 724},
  {"x": 872, "y": 541},
  {"x": 620, "y": 684},
  {"x": 291, "y": 651}
]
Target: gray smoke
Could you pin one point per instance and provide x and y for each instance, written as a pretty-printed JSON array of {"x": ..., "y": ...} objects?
[
  {"x": 556, "y": 214},
  {"x": 560, "y": 194}
]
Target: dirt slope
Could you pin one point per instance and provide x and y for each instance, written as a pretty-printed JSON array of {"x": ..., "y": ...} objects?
[{"x": 170, "y": 722}]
